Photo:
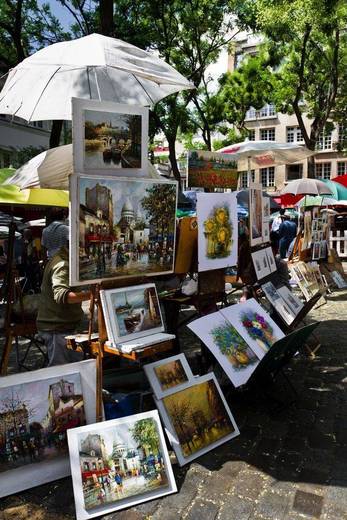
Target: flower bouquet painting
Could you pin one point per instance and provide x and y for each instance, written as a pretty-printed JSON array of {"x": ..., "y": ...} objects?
[
  {"x": 217, "y": 230},
  {"x": 233, "y": 346},
  {"x": 258, "y": 329}
]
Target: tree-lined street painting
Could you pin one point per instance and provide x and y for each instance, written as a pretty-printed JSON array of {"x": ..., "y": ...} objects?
[
  {"x": 34, "y": 418},
  {"x": 171, "y": 374},
  {"x": 233, "y": 346},
  {"x": 127, "y": 227},
  {"x": 121, "y": 461},
  {"x": 112, "y": 140},
  {"x": 198, "y": 416}
]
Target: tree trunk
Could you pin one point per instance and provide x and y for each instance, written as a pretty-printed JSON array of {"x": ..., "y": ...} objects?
[
  {"x": 106, "y": 17},
  {"x": 173, "y": 161},
  {"x": 311, "y": 173},
  {"x": 57, "y": 127}
]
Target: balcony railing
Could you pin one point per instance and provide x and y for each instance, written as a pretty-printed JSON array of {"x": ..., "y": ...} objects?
[{"x": 268, "y": 111}]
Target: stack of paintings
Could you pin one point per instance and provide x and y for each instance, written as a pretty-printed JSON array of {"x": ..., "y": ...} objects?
[
  {"x": 238, "y": 336},
  {"x": 196, "y": 415},
  {"x": 286, "y": 304},
  {"x": 118, "y": 464}
]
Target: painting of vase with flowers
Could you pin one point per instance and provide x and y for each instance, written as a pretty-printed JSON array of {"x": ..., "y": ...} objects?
[
  {"x": 233, "y": 346},
  {"x": 258, "y": 329}
]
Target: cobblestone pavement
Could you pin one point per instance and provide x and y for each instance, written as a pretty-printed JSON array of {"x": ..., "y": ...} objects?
[{"x": 283, "y": 466}]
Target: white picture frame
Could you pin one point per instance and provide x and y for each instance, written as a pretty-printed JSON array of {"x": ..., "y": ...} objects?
[
  {"x": 151, "y": 371},
  {"x": 291, "y": 299},
  {"x": 131, "y": 294},
  {"x": 173, "y": 436},
  {"x": 37, "y": 473},
  {"x": 210, "y": 254},
  {"x": 255, "y": 213},
  {"x": 128, "y": 193},
  {"x": 261, "y": 263},
  {"x": 107, "y": 429},
  {"x": 83, "y": 108},
  {"x": 278, "y": 303},
  {"x": 271, "y": 260}
]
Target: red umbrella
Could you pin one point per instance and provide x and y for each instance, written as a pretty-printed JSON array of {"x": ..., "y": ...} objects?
[
  {"x": 288, "y": 200},
  {"x": 341, "y": 179}
]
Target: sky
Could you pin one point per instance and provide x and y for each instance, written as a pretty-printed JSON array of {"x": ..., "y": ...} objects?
[
  {"x": 35, "y": 394},
  {"x": 65, "y": 18}
]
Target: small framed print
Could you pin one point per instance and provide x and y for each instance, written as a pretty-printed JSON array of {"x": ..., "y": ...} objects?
[
  {"x": 261, "y": 264},
  {"x": 109, "y": 138},
  {"x": 315, "y": 213},
  {"x": 255, "y": 213},
  {"x": 316, "y": 251},
  {"x": 169, "y": 375}
]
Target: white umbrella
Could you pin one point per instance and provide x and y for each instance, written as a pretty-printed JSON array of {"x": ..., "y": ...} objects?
[
  {"x": 262, "y": 154},
  {"x": 51, "y": 169},
  {"x": 306, "y": 186},
  {"x": 317, "y": 201},
  {"x": 92, "y": 67}
]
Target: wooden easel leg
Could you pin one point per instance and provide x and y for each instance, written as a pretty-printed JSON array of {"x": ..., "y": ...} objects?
[
  {"x": 6, "y": 353},
  {"x": 99, "y": 414}
]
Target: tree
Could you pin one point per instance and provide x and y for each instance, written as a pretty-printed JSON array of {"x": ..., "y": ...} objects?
[
  {"x": 307, "y": 41},
  {"x": 180, "y": 413},
  {"x": 145, "y": 433},
  {"x": 159, "y": 204},
  {"x": 14, "y": 406}
]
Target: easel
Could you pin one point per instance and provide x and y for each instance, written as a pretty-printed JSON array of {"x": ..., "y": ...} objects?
[{"x": 98, "y": 348}]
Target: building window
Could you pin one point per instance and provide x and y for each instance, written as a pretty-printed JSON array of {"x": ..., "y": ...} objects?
[
  {"x": 267, "y": 111},
  {"x": 251, "y": 113},
  {"x": 251, "y": 135},
  {"x": 294, "y": 134},
  {"x": 294, "y": 171},
  {"x": 324, "y": 141},
  {"x": 343, "y": 136},
  {"x": 244, "y": 178},
  {"x": 342, "y": 168},
  {"x": 267, "y": 134},
  {"x": 267, "y": 176},
  {"x": 323, "y": 170}
]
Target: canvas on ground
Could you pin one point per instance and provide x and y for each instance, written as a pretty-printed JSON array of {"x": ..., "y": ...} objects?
[
  {"x": 109, "y": 137},
  {"x": 230, "y": 350},
  {"x": 168, "y": 375},
  {"x": 197, "y": 419},
  {"x": 132, "y": 312},
  {"x": 255, "y": 213},
  {"x": 36, "y": 410},
  {"x": 217, "y": 230},
  {"x": 121, "y": 228},
  {"x": 254, "y": 324},
  {"x": 261, "y": 264},
  {"x": 119, "y": 463}
]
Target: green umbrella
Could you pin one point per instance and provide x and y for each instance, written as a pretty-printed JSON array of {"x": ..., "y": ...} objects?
[
  {"x": 338, "y": 191},
  {"x": 319, "y": 200}
]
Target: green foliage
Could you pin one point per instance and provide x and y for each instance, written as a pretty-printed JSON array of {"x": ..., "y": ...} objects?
[
  {"x": 145, "y": 433},
  {"x": 25, "y": 154},
  {"x": 159, "y": 204}
]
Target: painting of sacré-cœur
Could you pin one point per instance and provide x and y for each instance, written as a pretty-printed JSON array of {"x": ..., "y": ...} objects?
[{"x": 124, "y": 227}]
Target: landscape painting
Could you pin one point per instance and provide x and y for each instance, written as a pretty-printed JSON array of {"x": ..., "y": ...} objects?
[
  {"x": 121, "y": 228},
  {"x": 169, "y": 375},
  {"x": 217, "y": 230},
  {"x": 119, "y": 463},
  {"x": 230, "y": 350},
  {"x": 110, "y": 137},
  {"x": 198, "y": 418},
  {"x": 133, "y": 312},
  {"x": 34, "y": 418},
  {"x": 211, "y": 170}
]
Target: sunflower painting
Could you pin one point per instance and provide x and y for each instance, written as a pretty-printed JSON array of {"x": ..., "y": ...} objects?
[{"x": 217, "y": 230}]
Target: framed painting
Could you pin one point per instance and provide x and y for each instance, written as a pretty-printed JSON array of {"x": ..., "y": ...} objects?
[
  {"x": 118, "y": 464},
  {"x": 217, "y": 230},
  {"x": 109, "y": 138},
  {"x": 291, "y": 299},
  {"x": 279, "y": 304},
  {"x": 132, "y": 312},
  {"x": 197, "y": 419},
  {"x": 211, "y": 170},
  {"x": 255, "y": 213},
  {"x": 231, "y": 351},
  {"x": 316, "y": 250},
  {"x": 266, "y": 208},
  {"x": 254, "y": 324},
  {"x": 261, "y": 264},
  {"x": 169, "y": 375},
  {"x": 121, "y": 227},
  {"x": 271, "y": 259},
  {"x": 36, "y": 410}
]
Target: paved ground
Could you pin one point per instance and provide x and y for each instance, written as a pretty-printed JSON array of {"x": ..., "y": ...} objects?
[{"x": 284, "y": 466}]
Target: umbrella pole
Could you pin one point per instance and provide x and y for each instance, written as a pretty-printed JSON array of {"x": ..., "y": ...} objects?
[{"x": 248, "y": 170}]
